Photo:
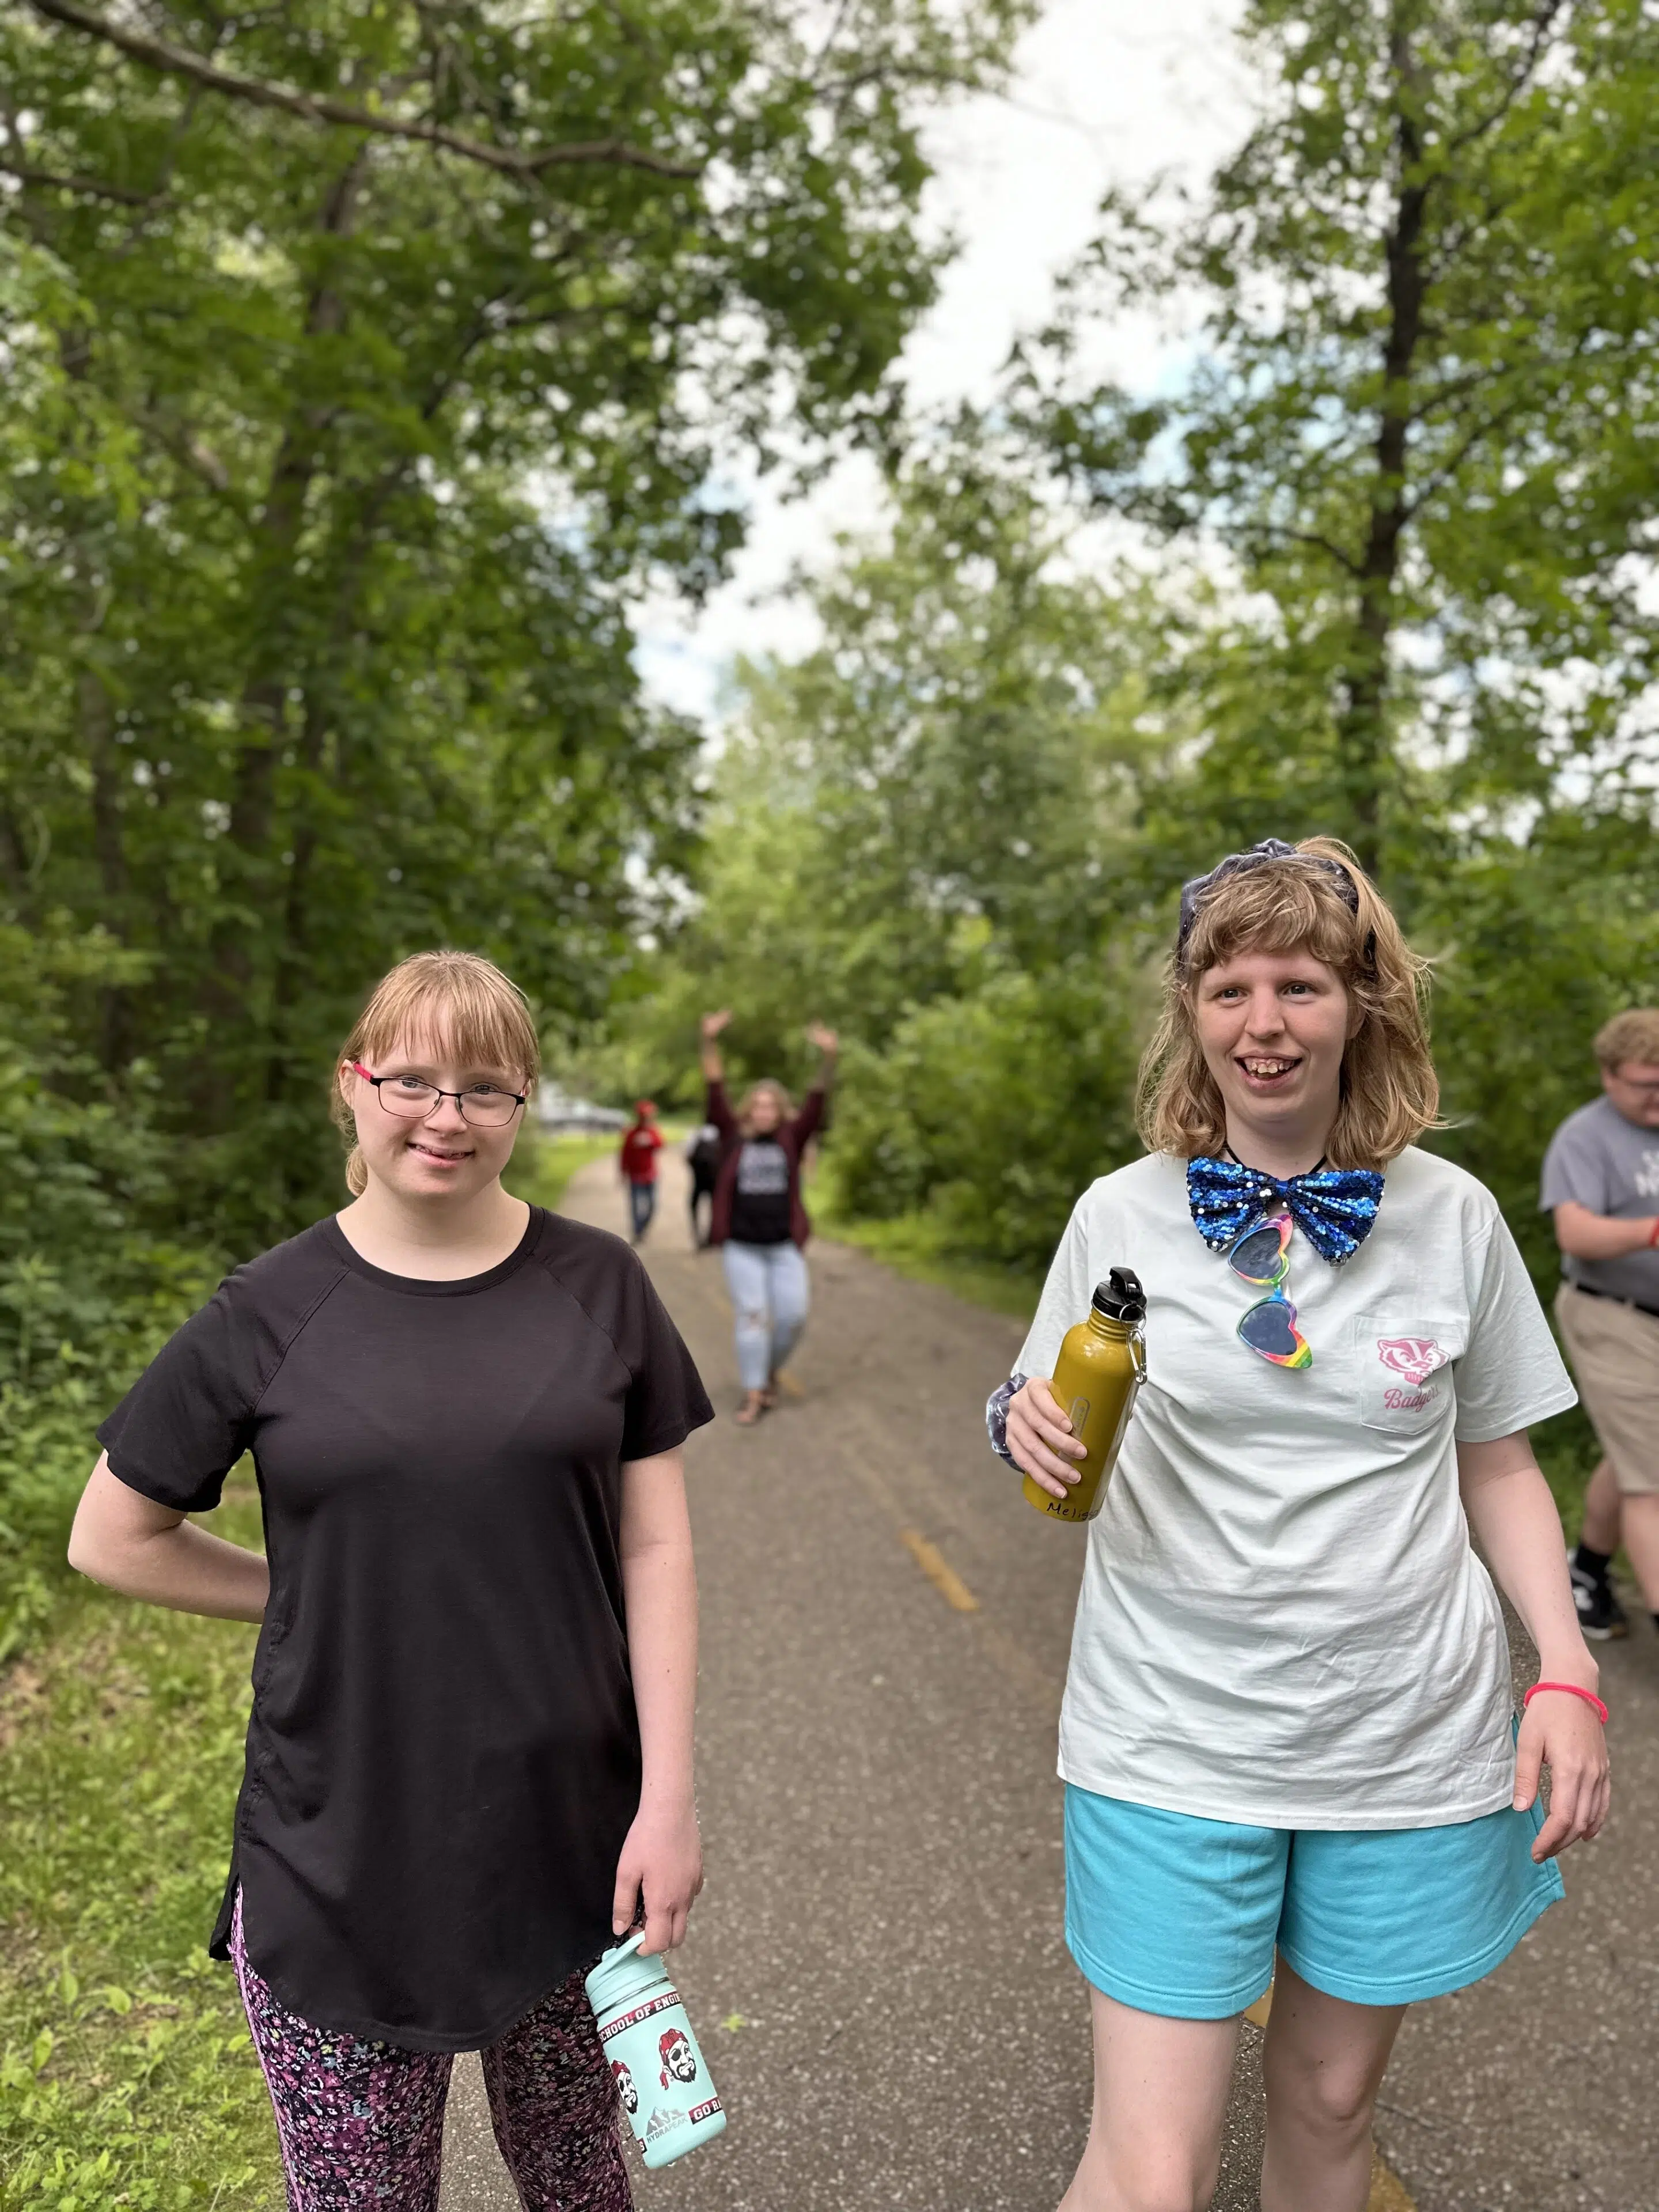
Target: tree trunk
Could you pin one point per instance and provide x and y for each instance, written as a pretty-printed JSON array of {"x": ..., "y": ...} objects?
[
  {"x": 1365, "y": 751},
  {"x": 15, "y": 862},
  {"x": 96, "y": 713},
  {"x": 263, "y": 703}
]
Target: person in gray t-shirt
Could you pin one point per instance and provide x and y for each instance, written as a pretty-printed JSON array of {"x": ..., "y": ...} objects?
[{"x": 1602, "y": 1183}]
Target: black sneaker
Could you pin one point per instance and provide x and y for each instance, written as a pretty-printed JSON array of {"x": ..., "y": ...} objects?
[{"x": 1600, "y": 1613}]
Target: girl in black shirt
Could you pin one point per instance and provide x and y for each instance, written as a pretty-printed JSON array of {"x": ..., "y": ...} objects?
[{"x": 469, "y": 1760}]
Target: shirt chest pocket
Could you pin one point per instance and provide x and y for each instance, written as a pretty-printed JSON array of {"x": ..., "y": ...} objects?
[{"x": 1402, "y": 1365}]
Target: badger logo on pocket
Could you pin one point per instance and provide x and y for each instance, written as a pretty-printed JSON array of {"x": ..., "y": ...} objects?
[{"x": 1416, "y": 1357}]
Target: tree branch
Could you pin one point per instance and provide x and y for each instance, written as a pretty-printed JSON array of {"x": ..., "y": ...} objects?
[
  {"x": 1324, "y": 544},
  {"x": 1433, "y": 480},
  {"x": 90, "y": 186},
  {"x": 1543, "y": 21},
  {"x": 181, "y": 443},
  {"x": 316, "y": 107}
]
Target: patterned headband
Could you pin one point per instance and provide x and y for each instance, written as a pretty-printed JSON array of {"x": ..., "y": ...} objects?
[{"x": 1197, "y": 888}]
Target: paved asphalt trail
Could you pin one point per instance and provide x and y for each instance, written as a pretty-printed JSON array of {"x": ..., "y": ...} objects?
[{"x": 877, "y": 1966}]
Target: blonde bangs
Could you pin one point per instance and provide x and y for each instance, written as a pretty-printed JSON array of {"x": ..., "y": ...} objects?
[
  {"x": 1389, "y": 1092},
  {"x": 471, "y": 1011},
  {"x": 1286, "y": 913}
]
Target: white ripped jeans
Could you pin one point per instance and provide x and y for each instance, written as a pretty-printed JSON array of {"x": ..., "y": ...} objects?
[{"x": 767, "y": 1284}]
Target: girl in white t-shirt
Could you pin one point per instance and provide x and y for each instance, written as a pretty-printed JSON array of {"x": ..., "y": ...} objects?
[{"x": 1288, "y": 1721}]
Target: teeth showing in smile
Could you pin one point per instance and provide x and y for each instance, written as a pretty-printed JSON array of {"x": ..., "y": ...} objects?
[{"x": 1268, "y": 1067}]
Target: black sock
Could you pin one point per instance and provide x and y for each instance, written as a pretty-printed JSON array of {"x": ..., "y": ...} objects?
[{"x": 1594, "y": 1564}]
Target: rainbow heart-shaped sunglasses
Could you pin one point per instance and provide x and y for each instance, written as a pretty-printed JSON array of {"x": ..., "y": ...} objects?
[{"x": 1260, "y": 1255}]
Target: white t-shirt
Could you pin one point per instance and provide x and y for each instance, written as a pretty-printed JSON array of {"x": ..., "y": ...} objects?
[{"x": 1282, "y": 1622}]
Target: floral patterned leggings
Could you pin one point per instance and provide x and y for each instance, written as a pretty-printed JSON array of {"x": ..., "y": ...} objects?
[{"x": 360, "y": 2123}]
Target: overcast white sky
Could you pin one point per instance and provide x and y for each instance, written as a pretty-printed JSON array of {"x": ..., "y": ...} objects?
[{"x": 1107, "y": 91}]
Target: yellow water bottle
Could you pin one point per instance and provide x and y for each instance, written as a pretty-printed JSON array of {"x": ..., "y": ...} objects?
[{"x": 1102, "y": 1365}]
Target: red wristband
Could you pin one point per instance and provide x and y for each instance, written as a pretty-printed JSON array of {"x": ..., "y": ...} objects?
[
  {"x": 1572, "y": 1691},
  {"x": 1653, "y": 1233}
]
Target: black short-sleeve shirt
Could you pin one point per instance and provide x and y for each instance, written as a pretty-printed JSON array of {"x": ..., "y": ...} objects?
[{"x": 443, "y": 1756}]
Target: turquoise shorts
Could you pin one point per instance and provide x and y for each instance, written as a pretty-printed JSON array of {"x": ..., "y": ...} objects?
[{"x": 1180, "y": 1916}]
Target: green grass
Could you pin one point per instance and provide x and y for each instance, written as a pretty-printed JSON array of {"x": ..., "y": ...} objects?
[
  {"x": 543, "y": 1167},
  {"x": 911, "y": 1246},
  {"x": 126, "y": 2078}
]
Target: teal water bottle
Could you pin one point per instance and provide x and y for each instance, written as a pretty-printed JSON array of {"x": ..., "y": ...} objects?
[{"x": 659, "y": 2070}]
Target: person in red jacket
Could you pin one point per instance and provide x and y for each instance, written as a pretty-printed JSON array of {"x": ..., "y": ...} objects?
[
  {"x": 637, "y": 1165},
  {"x": 758, "y": 1220}
]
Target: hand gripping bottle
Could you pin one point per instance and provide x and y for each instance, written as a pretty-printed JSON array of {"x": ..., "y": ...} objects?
[
  {"x": 655, "y": 2063},
  {"x": 1102, "y": 1365}
]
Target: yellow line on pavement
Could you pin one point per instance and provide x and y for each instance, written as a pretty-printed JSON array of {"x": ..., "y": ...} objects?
[
  {"x": 1388, "y": 2192},
  {"x": 944, "y": 1576}
]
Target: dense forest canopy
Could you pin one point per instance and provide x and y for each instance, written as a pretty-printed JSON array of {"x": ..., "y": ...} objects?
[
  {"x": 1421, "y": 413},
  {"x": 363, "y": 364}
]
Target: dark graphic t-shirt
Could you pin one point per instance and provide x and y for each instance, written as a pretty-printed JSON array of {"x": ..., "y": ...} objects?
[
  {"x": 760, "y": 1198},
  {"x": 443, "y": 1755}
]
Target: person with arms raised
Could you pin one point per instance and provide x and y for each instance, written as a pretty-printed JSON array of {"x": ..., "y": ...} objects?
[
  {"x": 757, "y": 1219},
  {"x": 1287, "y": 1727}
]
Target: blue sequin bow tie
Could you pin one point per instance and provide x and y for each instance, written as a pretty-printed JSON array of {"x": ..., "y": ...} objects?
[{"x": 1333, "y": 1208}]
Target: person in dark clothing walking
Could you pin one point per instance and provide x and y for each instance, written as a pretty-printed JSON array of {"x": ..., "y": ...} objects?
[
  {"x": 702, "y": 1156},
  {"x": 758, "y": 1220}
]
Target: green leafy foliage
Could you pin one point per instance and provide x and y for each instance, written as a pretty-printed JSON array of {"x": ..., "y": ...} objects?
[
  {"x": 87, "y": 1284},
  {"x": 126, "y": 2075},
  {"x": 933, "y": 832},
  {"x": 1416, "y": 413},
  {"x": 947, "y": 792},
  {"x": 990, "y": 1113}
]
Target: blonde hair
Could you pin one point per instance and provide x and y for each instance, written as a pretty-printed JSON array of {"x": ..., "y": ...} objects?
[
  {"x": 481, "y": 1016},
  {"x": 1297, "y": 901},
  {"x": 774, "y": 1088},
  {"x": 1633, "y": 1034}
]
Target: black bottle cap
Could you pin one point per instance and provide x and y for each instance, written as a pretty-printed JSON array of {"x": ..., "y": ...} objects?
[{"x": 1121, "y": 1297}]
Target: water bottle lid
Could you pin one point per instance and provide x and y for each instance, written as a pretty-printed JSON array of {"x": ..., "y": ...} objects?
[
  {"x": 1121, "y": 1297},
  {"x": 624, "y": 1972}
]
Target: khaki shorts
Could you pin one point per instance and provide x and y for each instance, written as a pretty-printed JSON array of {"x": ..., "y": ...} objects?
[{"x": 1615, "y": 1350}]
